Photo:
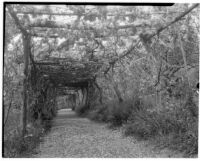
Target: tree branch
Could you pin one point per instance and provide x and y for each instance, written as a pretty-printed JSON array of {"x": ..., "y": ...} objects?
[{"x": 175, "y": 20}]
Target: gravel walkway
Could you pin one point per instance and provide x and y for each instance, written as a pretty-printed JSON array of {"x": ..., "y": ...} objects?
[{"x": 75, "y": 137}]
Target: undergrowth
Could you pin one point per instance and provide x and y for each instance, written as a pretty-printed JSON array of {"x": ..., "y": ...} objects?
[
  {"x": 177, "y": 126},
  {"x": 82, "y": 110},
  {"x": 17, "y": 146}
]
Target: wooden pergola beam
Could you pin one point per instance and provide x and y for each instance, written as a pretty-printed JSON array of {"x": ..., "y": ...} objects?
[
  {"x": 67, "y": 13},
  {"x": 58, "y": 24},
  {"x": 68, "y": 27},
  {"x": 84, "y": 14},
  {"x": 46, "y": 13},
  {"x": 54, "y": 36}
]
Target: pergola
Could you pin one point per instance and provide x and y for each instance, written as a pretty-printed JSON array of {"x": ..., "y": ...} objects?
[
  {"x": 60, "y": 72},
  {"x": 64, "y": 72}
]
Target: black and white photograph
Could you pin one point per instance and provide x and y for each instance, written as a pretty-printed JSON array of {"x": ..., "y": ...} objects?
[{"x": 100, "y": 80}]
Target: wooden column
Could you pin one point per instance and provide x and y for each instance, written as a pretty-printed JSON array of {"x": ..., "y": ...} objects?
[
  {"x": 27, "y": 51},
  {"x": 85, "y": 96},
  {"x": 100, "y": 91},
  {"x": 26, "y": 46},
  {"x": 79, "y": 97}
]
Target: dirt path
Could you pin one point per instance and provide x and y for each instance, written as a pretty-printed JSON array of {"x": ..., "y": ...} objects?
[{"x": 72, "y": 136}]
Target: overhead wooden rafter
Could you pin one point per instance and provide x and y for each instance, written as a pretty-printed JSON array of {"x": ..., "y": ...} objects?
[
  {"x": 75, "y": 13},
  {"x": 34, "y": 34},
  {"x": 83, "y": 14},
  {"x": 58, "y": 24}
]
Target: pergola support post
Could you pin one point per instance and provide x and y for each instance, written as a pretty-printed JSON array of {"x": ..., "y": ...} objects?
[
  {"x": 27, "y": 51},
  {"x": 85, "y": 96},
  {"x": 26, "y": 46}
]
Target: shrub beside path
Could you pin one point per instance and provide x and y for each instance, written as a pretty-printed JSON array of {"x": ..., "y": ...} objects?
[{"x": 75, "y": 137}]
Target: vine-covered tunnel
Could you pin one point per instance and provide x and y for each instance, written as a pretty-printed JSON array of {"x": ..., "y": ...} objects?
[{"x": 59, "y": 76}]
